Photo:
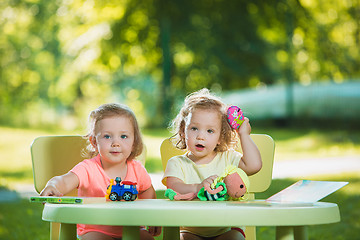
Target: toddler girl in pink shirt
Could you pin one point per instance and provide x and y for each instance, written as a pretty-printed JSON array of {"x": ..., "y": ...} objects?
[{"x": 114, "y": 143}]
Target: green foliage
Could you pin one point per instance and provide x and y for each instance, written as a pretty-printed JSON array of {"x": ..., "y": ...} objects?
[{"x": 59, "y": 59}]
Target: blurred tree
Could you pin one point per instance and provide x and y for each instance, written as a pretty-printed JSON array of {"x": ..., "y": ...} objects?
[
  {"x": 29, "y": 59},
  {"x": 59, "y": 59}
]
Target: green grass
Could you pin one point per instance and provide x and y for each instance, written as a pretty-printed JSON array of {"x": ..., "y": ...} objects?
[
  {"x": 15, "y": 161},
  {"x": 305, "y": 143},
  {"x": 16, "y": 215},
  {"x": 291, "y": 144},
  {"x": 347, "y": 198},
  {"x": 22, "y": 220}
]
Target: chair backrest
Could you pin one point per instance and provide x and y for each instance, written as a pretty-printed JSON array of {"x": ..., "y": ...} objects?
[
  {"x": 53, "y": 156},
  {"x": 259, "y": 182},
  {"x": 56, "y": 155}
]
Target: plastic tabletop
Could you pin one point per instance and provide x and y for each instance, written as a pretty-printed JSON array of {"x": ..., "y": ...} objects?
[{"x": 290, "y": 220}]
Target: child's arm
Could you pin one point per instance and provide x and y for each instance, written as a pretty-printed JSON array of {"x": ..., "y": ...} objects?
[
  {"x": 60, "y": 185},
  {"x": 179, "y": 186},
  {"x": 148, "y": 193},
  {"x": 251, "y": 160}
]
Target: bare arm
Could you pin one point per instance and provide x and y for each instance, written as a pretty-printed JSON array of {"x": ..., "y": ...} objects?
[
  {"x": 179, "y": 186},
  {"x": 60, "y": 185},
  {"x": 251, "y": 160},
  {"x": 148, "y": 193}
]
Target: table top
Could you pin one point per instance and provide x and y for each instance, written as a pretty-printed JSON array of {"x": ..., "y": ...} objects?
[{"x": 163, "y": 212}]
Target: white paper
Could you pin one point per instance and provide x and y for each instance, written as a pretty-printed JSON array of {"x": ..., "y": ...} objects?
[{"x": 306, "y": 191}]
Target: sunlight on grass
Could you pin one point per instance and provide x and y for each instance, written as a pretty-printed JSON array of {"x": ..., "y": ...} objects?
[
  {"x": 347, "y": 198},
  {"x": 291, "y": 144},
  {"x": 14, "y": 216},
  {"x": 15, "y": 167},
  {"x": 15, "y": 146},
  {"x": 153, "y": 143},
  {"x": 15, "y": 161},
  {"x": 315, "y": 144}
]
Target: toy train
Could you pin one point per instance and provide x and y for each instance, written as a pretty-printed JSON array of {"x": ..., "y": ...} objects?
[{"x": 122, "y": 190}]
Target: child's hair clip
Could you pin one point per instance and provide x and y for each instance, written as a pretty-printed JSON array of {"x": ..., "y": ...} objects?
[{"x": 235, "y": 117}]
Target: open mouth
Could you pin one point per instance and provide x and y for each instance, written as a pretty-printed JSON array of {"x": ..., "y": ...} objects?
[{"x": 199, "y": 146}]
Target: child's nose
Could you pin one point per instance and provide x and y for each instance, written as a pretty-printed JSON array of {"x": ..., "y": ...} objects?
[
  {"x": 200, "y": 135},
  {"x": 115, "y": 144}
]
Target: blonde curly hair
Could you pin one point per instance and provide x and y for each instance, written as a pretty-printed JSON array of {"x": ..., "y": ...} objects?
[{"x": 203, "y": 99}]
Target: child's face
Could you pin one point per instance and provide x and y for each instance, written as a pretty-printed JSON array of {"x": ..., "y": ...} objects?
[
  {"x": 114, "y": 139},
  {"x": 202, "y": 133}
]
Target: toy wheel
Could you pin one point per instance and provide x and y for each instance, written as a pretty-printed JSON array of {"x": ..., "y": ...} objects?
[
  {"x": 113, "y": 196},
  {"x": 127, "y": 196},
  {"x": 134, "y": 196}
]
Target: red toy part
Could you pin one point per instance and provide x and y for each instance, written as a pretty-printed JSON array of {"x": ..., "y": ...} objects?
[
  {"x": 122, "y": 190},
  {"x": 128, "y": 183}
]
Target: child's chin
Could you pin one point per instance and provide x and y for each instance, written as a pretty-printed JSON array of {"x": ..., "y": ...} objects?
[{"x": 199, "y": 149}]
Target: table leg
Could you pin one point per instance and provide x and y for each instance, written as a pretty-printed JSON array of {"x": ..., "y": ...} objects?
[
  {"x": 67, "y": 231},
  {"x": 171, "y": 233},
  {"x": 284, "y": 233},
  {"x": 54, "y": 230},
  {"x": 300, "y": 233},
  {"x": 131, "y": 233}
]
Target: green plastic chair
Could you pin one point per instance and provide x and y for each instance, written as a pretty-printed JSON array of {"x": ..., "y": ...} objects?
[
  {"x": 56, "y": 155},
  {"x": 259, "y": 182}
]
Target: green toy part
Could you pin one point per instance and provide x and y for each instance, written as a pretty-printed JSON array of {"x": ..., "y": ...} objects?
[
  {"x": 203, "y": 195},
  {"x": 233, "y": 184},
  {"x": 170, "y": 194}
]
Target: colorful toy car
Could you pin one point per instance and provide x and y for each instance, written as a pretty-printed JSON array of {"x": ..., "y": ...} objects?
[{"x": 125, "y": 190}]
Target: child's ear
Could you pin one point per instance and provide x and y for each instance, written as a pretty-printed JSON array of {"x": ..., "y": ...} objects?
[
  {"x": 92, "y": 140},
  {"x": 219, "y": 141}
]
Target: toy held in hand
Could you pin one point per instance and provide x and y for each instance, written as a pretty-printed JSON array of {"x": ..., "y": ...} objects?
[
  {"x": 172, "y": 195},
  {"x": 235, "y": 117},
  {"x": 231, "y": 185}
]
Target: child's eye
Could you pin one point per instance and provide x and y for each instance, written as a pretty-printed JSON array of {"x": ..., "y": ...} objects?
[
  {"x": 210, "y": 131},
  {"x": 124, "y": 136},
  {"x": 193, "y": 128},
  {"x": 106, "y": 136}
]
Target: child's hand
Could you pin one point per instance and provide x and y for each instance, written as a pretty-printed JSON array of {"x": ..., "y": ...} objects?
[
  {"x": 51, "y": 190},
  {"x": 245, "y": 127},
  {"x": 154, "y": 231},
  {"x": 206, "y": 183}
]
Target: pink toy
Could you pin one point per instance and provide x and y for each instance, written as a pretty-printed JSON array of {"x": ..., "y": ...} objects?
[{"x": 235, "y": 117}]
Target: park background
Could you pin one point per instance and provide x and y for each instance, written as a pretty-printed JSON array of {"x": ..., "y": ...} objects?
[{"x": 293, "y": 66}]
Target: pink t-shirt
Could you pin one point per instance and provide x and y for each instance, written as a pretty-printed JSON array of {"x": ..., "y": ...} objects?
[{"x": 94, "y": 182}]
